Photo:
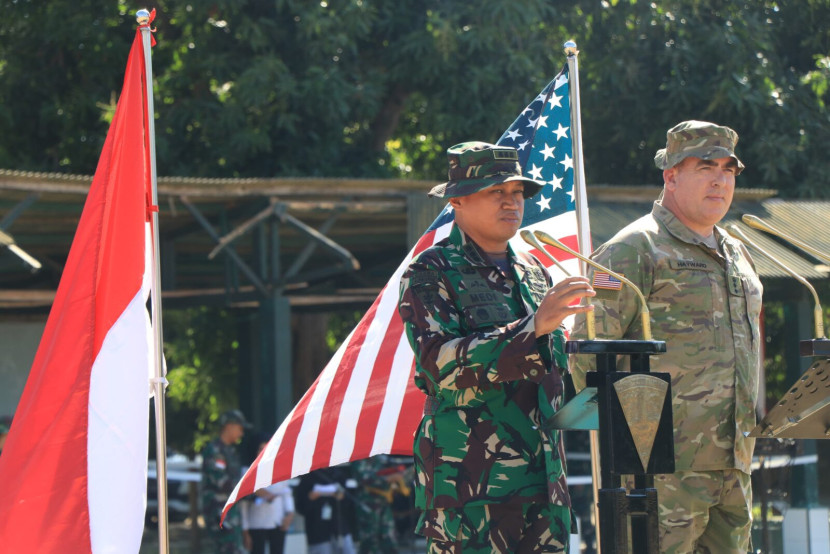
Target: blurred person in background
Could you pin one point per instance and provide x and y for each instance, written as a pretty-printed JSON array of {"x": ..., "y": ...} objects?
[
  {"x": 266, "y": 516},
  {"x": 325, "y": 498},
  {"x": 221, "y": 470}
]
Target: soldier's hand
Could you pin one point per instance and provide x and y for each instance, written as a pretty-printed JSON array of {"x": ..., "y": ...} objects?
[{"x": 556, "y": 305}]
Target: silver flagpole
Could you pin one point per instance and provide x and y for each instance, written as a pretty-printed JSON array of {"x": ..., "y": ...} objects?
[
  {"x": 159, "y": 381},
  {"x": 580, "y": 193},
  {"x": 583, "y": 233}
]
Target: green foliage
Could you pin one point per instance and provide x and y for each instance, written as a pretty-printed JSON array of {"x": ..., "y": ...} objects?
[
  {"x": 201, "y": 353},
  {"x": 750, "y": 65},
  {"x": 57, "y": 61},
  {"x": 340, "y": 324},
  {"x": 775, "y": 366},
  {"x": 368, "y": 88}
]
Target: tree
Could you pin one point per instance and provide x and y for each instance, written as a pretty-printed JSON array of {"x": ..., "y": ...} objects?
[
  {"x": 201, "y": 351},
  {"x": 367, "y": 88},
  {"x": 758, "y": 66},
  {"x": 61, "y": 67}
]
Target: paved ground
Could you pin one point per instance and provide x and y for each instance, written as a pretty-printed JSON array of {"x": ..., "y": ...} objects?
[{"x": 184, "y": 540}]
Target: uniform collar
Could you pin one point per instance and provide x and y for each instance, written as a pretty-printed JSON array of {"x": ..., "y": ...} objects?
[
  {"x": 474, "y": 253},
  {"x": 678, "y": 229}
]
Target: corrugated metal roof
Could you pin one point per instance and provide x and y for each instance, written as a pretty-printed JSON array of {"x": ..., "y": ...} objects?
[
  {"x": 805, "y": 220},
  {"x": 369, "y": 219}
]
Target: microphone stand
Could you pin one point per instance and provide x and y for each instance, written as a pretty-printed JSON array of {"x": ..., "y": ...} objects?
[
  {"x": 635, "y": 438},
  {"x": 635, "y": 428}
]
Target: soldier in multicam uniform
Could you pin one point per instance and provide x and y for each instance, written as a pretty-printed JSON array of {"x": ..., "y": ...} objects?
[
  {"x": 705, "y": 300},
  {"x": 484, "y": 323},
  {"x": 221, "y": 470}
]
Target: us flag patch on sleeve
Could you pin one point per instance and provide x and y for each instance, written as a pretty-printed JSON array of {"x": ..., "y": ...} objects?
[{"x": 603, "y": 280}]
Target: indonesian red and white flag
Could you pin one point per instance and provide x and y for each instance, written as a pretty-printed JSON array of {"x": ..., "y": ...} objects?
[
  {"x": 365, "y": 401},
  {"x": 74, "y": 466}
]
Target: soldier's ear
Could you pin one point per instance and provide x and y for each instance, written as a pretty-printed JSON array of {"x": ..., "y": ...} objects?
[
  {"x": 455, "y": 202},
  {"x": 670, "y": 178}
]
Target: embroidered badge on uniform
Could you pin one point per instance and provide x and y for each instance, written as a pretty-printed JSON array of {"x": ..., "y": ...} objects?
[
  {"x": 603, "y": 280},
  {"x": 606, "y": 286}
]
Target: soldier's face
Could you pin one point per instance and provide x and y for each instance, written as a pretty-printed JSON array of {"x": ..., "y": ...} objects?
[
  {"x": 699, "y": 192},
  {"x": 233, "y": 433},
  {"x": 491, "y": 216}
]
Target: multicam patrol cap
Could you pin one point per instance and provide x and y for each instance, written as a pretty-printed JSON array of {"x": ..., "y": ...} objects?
[
  {"x": 474, "y": 166},
  {"x": 698, "y": 139}
]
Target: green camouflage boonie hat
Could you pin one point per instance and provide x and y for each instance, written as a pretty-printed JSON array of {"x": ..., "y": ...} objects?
[
  {"x": 234, "y": 416},
  {"x": 697, "y": 139},
  {"x": 474, "y": 166}
]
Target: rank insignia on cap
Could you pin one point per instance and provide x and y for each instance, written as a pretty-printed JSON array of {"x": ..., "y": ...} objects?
[{"x": 603, "y": 280}]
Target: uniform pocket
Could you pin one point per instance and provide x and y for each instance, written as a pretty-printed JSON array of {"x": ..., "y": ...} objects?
[{"x": 687, "y": 304}]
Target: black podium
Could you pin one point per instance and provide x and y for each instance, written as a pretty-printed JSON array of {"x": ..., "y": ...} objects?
[{"x": 632, "y": 412}]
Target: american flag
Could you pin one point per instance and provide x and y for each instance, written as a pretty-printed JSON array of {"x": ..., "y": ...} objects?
[
  {"x": 365, "y": 402},
  {"x": 603, "y": 280}
]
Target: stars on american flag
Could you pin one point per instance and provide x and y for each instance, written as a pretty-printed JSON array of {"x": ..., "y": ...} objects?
[
  {"x": 513, "y": 134},
  {"x": 541, "y": 134}
]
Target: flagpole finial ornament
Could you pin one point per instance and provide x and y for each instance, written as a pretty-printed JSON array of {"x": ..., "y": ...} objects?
[
  {"x": 142, "y": 17},
  {"x": 570, "y": 48}
]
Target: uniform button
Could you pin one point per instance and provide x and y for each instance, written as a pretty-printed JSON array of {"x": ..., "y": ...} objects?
[{"x": 534, "y": 372}]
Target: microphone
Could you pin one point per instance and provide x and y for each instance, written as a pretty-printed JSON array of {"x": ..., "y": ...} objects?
[
  {"x": 758, "y": 223},
  {"x": 528, "y": 237},
  {"x": 645, "y": 316},
  {"x": 817, "y": 314},
  {"x": 590, "y": 318}
]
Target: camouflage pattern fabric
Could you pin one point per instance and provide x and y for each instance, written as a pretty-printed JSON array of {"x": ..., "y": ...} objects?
[
  {"x": 706, "y": 305},
  {"x": 471, "y": 327},
  {"x": 707, "y": 512},
  {"x": 509, "y": 529},
  {"x": 474, "y": 166},
  {"x": 698, "y": 139},
  {"x": 375, "y": 523},
  {"x": 221, "y": 469}
]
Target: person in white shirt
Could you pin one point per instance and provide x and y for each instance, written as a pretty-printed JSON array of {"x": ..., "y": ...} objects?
[{"x": 266, "y": 516}]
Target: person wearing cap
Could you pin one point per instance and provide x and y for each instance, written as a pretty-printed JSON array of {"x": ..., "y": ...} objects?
[
  {"x": 221, "y": 470},
  {"x": 484, "y": 323},
  {"x": 705, "y": 302}
]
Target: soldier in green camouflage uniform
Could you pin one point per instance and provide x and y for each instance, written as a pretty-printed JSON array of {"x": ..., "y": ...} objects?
[
  {"x": 221, "y": 470},
  {"x": 705, "y": 299},
  {"x": 484, "y": 324},
  {"x": 375, "y": 523}
]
